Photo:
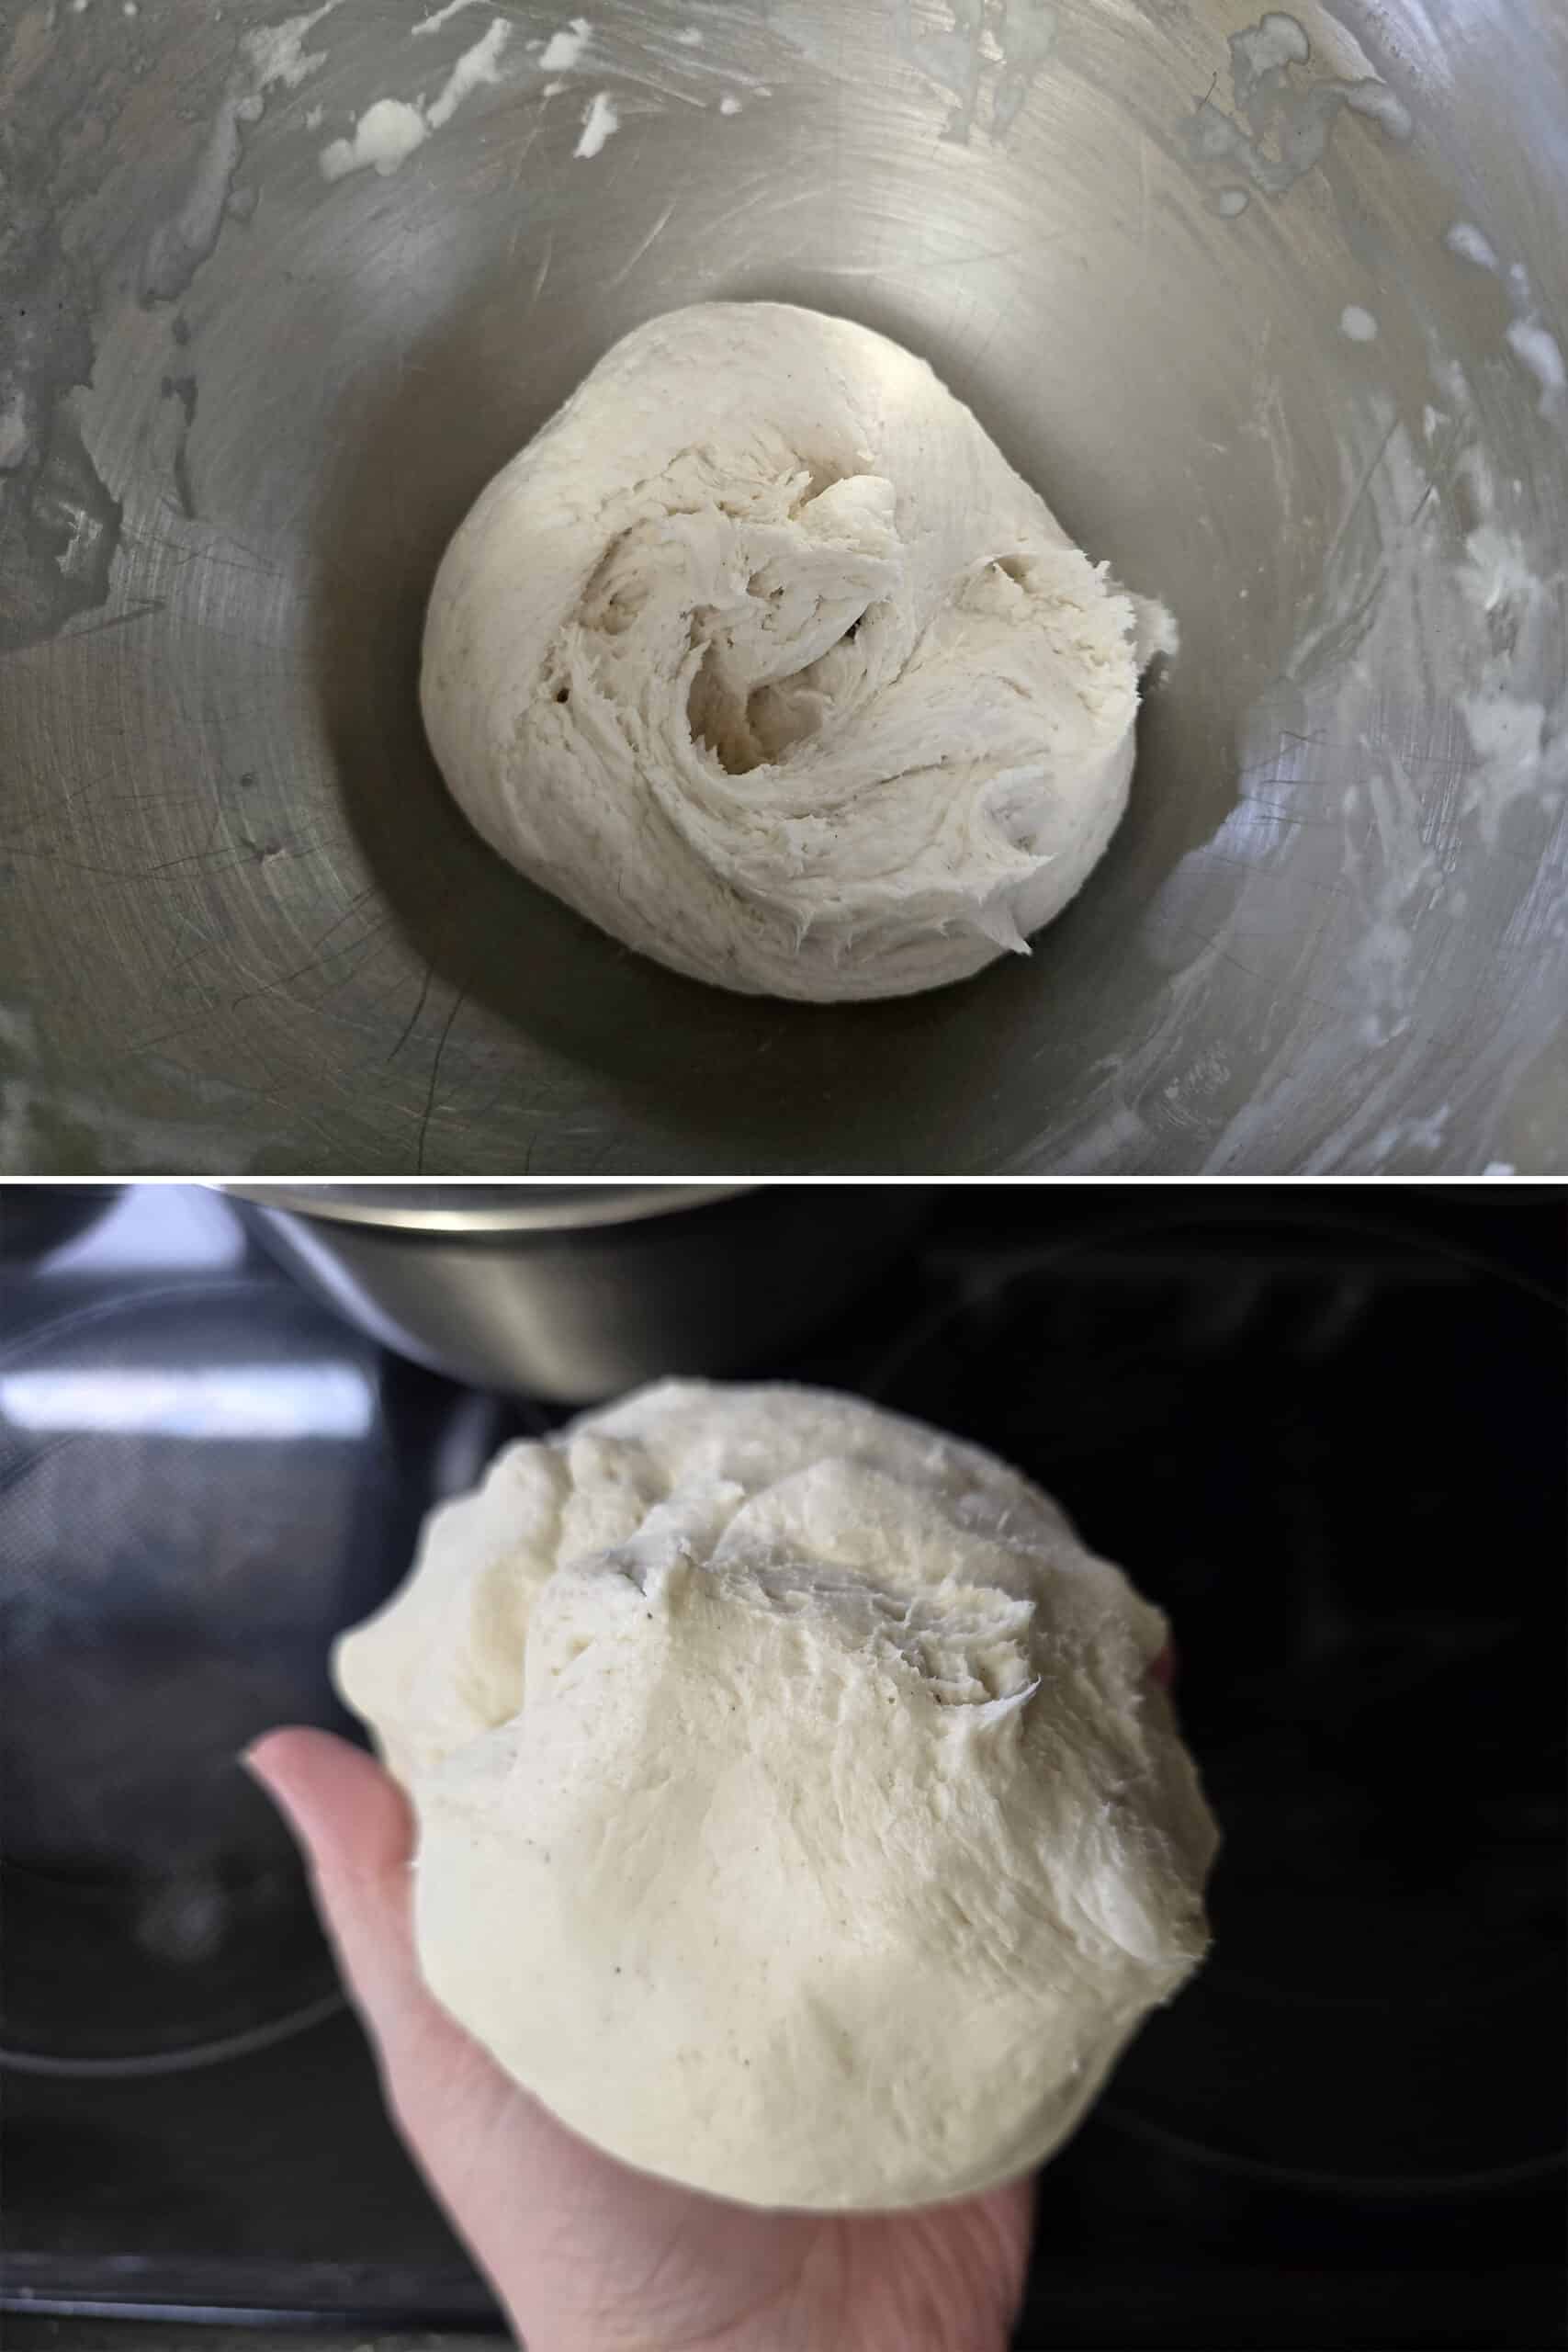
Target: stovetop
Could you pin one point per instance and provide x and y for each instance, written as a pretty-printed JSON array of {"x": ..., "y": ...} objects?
[{"x": 1325, "y": 1435}]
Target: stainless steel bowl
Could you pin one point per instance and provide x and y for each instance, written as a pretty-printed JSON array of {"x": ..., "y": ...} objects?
[
  {"x": 1271, "y": 307},
  {"x": 575, "y": 1292}
]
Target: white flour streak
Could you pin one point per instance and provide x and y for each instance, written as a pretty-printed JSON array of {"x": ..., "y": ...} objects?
[
  {"x": 276, "y": 51},
  {"x": 1529, "y": 339},
  {"x": 599, "y": 122},
  {"x": 388, "y": 132},
  {"x": 452, "y": 8},
  {"x": 1468, "y": 245},
  {"x": 564, "y": 49},
  {"x": 476, "y": 65},
  {"x": 1542, "y": 355}
]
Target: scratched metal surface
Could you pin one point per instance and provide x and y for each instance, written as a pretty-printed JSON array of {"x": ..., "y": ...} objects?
[{"x": 243, "y": 404}]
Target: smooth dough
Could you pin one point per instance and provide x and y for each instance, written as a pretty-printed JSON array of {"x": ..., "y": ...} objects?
[
  {"x": 762, "y": 657},
  {"x": 797, "y": 1818}
]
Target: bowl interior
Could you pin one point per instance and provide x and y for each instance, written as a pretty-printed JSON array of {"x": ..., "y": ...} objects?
[{"x": 1269, "y": 307}]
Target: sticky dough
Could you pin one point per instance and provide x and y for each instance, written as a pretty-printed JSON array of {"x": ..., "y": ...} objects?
[
  {"x": 798, "y": 1815},
  {"x": 762, "y": 657}
]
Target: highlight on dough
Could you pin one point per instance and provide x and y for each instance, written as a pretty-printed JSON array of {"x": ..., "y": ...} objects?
[
  {"x": 799, "y": 1815},
  {"x": 764, "y": 658}
]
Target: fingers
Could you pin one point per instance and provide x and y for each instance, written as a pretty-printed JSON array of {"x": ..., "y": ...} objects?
[{"x": 355, "y": 1828}]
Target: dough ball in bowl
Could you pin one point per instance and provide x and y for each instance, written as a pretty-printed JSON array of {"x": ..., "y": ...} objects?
[
  {"x": 762, "y": 657},
  {"x": 798, "y": 1815}
]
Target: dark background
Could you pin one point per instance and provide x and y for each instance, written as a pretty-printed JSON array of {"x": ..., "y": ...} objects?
[{"x": 1324, "y": 1432}]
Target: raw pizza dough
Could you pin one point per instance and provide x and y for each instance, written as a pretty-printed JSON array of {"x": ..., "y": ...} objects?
[
  {"x": 797, "y": 1816},
  {"x": 762, "y": 657}
]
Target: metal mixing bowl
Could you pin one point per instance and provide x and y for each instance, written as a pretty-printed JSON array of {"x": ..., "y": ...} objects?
[
  {"x": 576, "y": 1291},
  {"x": 1269, "y": 306}
]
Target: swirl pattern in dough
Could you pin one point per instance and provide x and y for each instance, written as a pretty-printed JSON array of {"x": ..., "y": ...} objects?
[{"x": 762, "y": 657}]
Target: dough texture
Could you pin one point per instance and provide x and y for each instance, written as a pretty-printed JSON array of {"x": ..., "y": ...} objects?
[
  {"x": 762, "y": 657},
  {"x": 798, "y": 1817}
]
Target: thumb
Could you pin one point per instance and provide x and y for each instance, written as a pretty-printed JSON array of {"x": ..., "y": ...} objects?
[
  {"x": 355, "y": 1829},
  {"x": 497, "y": 2161}
]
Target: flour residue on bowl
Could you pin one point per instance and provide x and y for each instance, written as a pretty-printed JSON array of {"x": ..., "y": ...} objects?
[
  {"x": 986, "y": 64},
  {"x": 15, "y": 439},
  {"x": 274, "y": 56},
  {"x": 1526, "y": 335},
  {"x": 1520, "y": 746},
  {"x": 601, "y": 120},
  {"x": 432, "y": 24},
  {"x": 562, "y": 53},
  {"x": 1411, "y": 754},
  {"x": 1281, "y": 127},
  {"x": 1426, "y": 611},
  {"x": 388, "y": 132},
  {"x": 1540, "y": 352}
]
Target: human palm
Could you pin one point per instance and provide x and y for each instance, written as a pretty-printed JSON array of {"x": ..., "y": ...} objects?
[{"x": 586, "y": 2255}]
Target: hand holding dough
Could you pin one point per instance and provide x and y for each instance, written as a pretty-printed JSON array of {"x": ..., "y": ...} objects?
[
  {"x": 762, "y": 657},
  {"x": 799, "y": 1818}
]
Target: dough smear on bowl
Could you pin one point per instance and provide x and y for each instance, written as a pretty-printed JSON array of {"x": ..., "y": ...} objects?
[
  {"x": 798, "y": 1816},
  {"x": 762, "y": 657}
]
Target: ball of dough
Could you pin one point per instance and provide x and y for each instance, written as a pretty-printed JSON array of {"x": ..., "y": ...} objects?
[
  {"x": 798, "y": 1817},
  {"x": 762, "y": 657}
]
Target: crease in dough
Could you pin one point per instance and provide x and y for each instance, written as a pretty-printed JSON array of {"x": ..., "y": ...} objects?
[{"x": 761, "y": 657}]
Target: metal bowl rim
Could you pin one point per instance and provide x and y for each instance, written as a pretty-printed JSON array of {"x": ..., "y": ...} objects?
[{"x": 393, "y": 1205}]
